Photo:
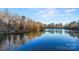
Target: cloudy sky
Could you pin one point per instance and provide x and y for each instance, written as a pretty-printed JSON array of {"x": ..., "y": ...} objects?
[{"x": 48, "y": 15}]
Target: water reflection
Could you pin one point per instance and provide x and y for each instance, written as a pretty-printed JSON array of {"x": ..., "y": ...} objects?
[
  {"x": 73, "y": 33},
  {"x": 52, "y": 31},
  {"x": 52, "y": 40},
  {"x": 32, "y": 35},
  {"x": 49, "y": 40},
  {"x": 10, "y": 42}
]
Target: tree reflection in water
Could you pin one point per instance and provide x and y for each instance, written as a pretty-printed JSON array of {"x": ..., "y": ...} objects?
[
  {"x": 32, "y": 35},
  {"x": 73, "y": 33},
  {"x": 10, "y": 42},
  {"x": 52, "y": 31}
]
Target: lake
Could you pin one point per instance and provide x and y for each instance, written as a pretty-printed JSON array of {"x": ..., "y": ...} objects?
[{"x": 48, "y": 40}]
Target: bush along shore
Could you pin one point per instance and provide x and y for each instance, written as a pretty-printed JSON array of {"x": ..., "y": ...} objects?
[
  {"x": 15, "y": 24},
  {"x": 72, "y": 26}
]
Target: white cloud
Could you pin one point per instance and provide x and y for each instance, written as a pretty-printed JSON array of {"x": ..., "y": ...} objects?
[
  {"x": 48, "y": 12},
  {"x": 49, "y": 15},
  {"x": 70, "y": 10}
]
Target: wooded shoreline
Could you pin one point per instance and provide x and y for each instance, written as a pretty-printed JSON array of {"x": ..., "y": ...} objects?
[{"x": 15, "y": 24}]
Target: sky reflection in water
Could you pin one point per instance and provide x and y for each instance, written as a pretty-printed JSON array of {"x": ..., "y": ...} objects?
[{"x": 49, "y": 40}]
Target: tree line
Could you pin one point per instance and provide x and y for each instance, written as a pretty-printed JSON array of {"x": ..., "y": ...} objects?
[
  {"x": 74, "y": 25},
  {"x": 18, "y": 23},
  {"x": 52, "y": 25},
  {"x": 14, "y": 22}
]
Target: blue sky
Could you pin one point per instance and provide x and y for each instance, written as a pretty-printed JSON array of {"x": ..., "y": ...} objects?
[{"x": 48, "y": 15}]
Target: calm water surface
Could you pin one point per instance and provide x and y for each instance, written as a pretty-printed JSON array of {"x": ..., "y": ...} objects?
[{"x": 49, "y": 40}]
